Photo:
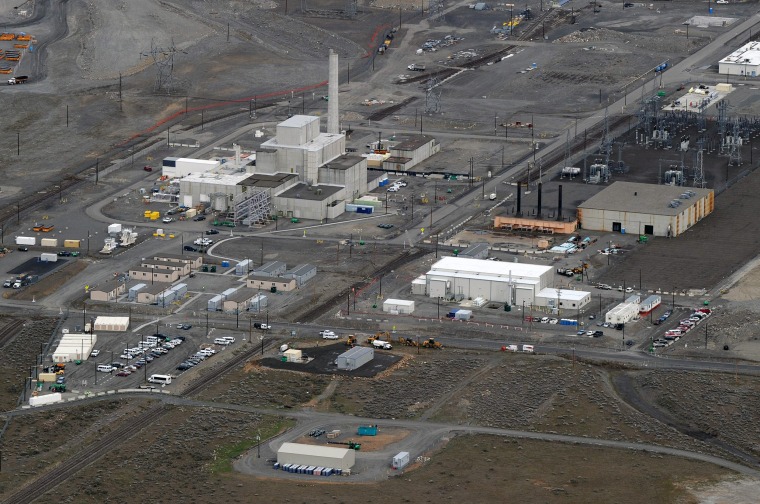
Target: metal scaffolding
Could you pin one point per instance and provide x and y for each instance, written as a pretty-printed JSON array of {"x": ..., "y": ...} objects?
[{"x": 252, "y": 208}]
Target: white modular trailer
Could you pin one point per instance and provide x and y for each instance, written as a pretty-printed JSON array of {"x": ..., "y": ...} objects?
[
  {"x": 355, "y": 358},
  {"x": 113, "y": 324},
  {"x": 650, "y": 304},
  {"x": 634, "y": 298},
  {"x": 400, "y": 460},
  {"x": 622, "y": 313},
  {"x": 563, "y": 298},
  {"x": 48, "y": 257},
  {"x": 26, "y": 240},
  {"x": 215, "y": 303},
  {"x": 244, "y": 267},
  {"x": 463, "y": 315},
  {"x": 419, "y": 286},
  {"x": 134, "y": 290},
  {"x": 319, "y": 456},
  {"x": 45, "y": 399},
  {"x": 114, "y": 229},
  {"x": 74, "y": 347},
  {"x": 398, "y": 306},
  {"x": 181, "y": 167},
  {"x": 49, "y": 242}
]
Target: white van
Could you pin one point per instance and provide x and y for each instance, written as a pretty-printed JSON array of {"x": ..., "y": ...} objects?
[
  {"x": 221, "y": 341},
  {"x": 105, "y": 368},
  {"x": 163, "y": 379}
]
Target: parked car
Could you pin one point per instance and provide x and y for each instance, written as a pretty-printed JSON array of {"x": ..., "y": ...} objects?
[
  {"x": 212, "y": 231},
  {"x": 167, "y": 219},
  {"x": 148, "y": 168},
  {"x": 23, "y": 249},
  {"x": 190, "y": 248},
  {"x": 64, "y": 253},
  {"x": 328, "y": 334},
  {"x": 199, "y": 218},
  {"x": 95, "y": 353}
]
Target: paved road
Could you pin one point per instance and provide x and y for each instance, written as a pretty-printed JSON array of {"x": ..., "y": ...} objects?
[{"x": 425, "y": 435}]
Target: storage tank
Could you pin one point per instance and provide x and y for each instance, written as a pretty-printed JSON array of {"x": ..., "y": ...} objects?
[{"x": 49, "y": 242}]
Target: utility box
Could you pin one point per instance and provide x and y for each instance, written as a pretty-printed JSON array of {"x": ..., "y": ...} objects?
[
  {"x": 293, "y": 355},
  {"x": 400, "y": 460}
]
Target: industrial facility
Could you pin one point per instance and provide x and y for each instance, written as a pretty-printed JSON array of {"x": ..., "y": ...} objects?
[
  {"x": 744, "y": 61},
  {"x": 318, "y": 456},
  {"x": 646, "y": 209}
]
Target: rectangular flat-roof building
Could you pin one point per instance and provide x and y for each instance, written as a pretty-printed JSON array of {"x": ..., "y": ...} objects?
[
  {"x": 195, "y": 262},
  {"x": 271, "y": 269},
  {"x": 503, "y": 282},
  {"x": 113, "y": 324},
  {"x": 564, "y": 299},
  {"x": 398, "y": 306},
  {"x": 264, "y": 282},
  {"x": 149, "y": 294},
  {"x": 301, "y": 274},
  {"x": 150, "y": 275},
  {"x": 320, "y": 456},
  {"x": 646, "y": 209},
  {"x": 108, "y": 290},
  {"x": 355, "y": 358},
  {"x": 743, "y": 61}
]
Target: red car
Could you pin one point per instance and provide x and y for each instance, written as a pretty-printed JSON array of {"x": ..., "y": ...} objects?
[
  {"x": 148, "y": 168},
  {"x": 123, "y": 372}
]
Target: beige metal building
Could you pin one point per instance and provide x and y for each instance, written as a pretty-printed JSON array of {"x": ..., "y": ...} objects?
[
  {"x": 646, "y": 209},
  {"x": 164, "y": 275},
  {"x": 108, "y": 291},
  {"x": 195, "y": 262},
  {"x": 320, "y": 456},
  {"x": 266, "y": 283}
]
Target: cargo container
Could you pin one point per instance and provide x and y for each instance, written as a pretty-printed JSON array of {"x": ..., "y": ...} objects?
[
  {"x": 400, "y": 460},
  {"x": 463, "y": 315},
  {"x": 367, "y": 430},
  {"x": 114, "y": 228},
  {"x": 49, "y": 242},
  {"x": 71, "y": 243},
  {"x": 48, "y": 257},
  {"x": 26, "y": 240}
]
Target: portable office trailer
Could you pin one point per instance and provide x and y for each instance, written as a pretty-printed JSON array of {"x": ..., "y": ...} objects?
[
  {"x": 48, "y": 257},
  {"x": 293, "y": 355},
  {"x": 132, "y": 296},
  {"x": 649, "y": 304},
  {"x": 244, "y": 267},
  {"x": 355, "y": 358},
  {"x": 49, "y": 242},
  {"x": 215, "y": 303},
  {"x": 400, "y": 460},
  {"x": 622, "y": 313}
]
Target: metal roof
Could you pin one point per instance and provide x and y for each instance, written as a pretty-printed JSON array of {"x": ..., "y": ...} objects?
[
  {"x": 313, "y": 450},
  {"x": 474, "y": 249},
  {"x": 564, "y": 294},
  {"x": 635, "y": 197},
  {"x": 748, "y": 54},
  {"x": 301, "y": 191},
  {"x": 298, "y": 121},
  {"x": 357, "y": 352},
  {"x": 265, "y": 180},
  {"x": 412, "y": 142},
  {"x": 467, "y": 266},
  {"x": 301, "y": 269},
  {"x": 343, "y": 162},
  {"x": 270, "y": 267}
]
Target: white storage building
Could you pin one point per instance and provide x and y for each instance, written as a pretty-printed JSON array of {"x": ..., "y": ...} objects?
[
  {"x": 564, "y": 299},
  {"x": 743, "y": 61},
  {"x": 74, "y": 347},
  {"x": 503, "y": 282},
  {"x": 355, "y": 358},
  {"x": 398, "y": 306},
  {"x": 649, "y": 304},
  {"x": 180, "y": 167},
  {"x": 115, "y": 324},
  {"x": 320, "y": 456},
  {"x": 622, "y": 313}
]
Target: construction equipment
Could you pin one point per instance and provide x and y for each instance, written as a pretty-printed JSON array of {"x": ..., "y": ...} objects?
[
  {"x": 351, "y": 340},
  {"x": 381, "y": 335},
  {"x": 432, "y": 343},
  {"x": 58, "y": 387}
]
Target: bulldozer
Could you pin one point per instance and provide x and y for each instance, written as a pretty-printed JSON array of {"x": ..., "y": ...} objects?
[
  {"x": 351, "y": 340},
  {"x": 432, "y": 343}
]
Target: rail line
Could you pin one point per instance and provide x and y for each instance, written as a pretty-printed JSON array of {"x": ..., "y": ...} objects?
[
  {"x": 9, "y": 331},
  {"x": 49, "y": 480}
]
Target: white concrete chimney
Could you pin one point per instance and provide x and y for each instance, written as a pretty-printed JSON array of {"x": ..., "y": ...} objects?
[{"x": 333, "y": 110}]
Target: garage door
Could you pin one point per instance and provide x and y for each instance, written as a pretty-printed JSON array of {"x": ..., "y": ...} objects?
[{"x": 480, "y": 288}]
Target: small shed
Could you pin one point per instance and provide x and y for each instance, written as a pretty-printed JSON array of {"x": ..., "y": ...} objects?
[
  {"x": 463, "y": 315},
  {"x": 215, "y": 303},
  {"x": 293, "y": 355},
  {"x": 355, "y": 358},
  {"x": 398, "y": 306},
  {"x": 419, "y": 286}
]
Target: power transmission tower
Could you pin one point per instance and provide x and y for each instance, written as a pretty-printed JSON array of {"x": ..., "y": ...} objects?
[{"x": 163, "y": 60}]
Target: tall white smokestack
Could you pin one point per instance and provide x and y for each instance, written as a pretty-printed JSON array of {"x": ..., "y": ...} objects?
[{"x": 333, "y": 117}]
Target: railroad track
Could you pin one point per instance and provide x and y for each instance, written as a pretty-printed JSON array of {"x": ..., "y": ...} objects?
[
  {"x": 66, "y": 469},
  {"x": 319, "y": 310},
  {"x": 9, "y": 331},
  {"x": 204, "y": 380}
]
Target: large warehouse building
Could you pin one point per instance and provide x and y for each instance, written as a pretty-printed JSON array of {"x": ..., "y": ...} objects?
[
  {"x": 503, "y": 282},
  {"x": 646, "y": 209},
  {"x": 743, "y": 61},
  {"x": 320, "y": 456}
]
